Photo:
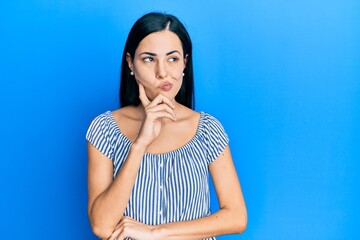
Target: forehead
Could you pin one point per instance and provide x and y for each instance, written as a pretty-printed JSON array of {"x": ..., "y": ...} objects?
[{"x": 160, "y": 43}]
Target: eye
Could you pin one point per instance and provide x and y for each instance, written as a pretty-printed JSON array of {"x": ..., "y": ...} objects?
[
  {"x": 173, "y": 59},
  {"x": 148, "y": 59}
]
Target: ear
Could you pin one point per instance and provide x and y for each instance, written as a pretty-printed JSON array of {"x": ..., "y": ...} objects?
[
  {"x": 186, "y": 59},
  {"x": 130, "y": 61}
]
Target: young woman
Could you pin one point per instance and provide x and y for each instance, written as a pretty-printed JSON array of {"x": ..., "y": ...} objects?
[{"x": 149, "y": 160}]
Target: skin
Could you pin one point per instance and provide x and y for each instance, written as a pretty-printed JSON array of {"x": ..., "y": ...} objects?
[{"x": 151, "y": 127}]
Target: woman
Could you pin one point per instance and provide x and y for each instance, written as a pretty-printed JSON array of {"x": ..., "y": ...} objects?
[{"x": 149, "y": 160}]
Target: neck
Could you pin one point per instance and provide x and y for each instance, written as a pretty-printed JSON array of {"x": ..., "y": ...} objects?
[{"x": 177, "y": 105}]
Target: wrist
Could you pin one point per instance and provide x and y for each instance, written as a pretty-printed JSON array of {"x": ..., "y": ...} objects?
[
  {"x": 139, "y": 146},
  {"x": 158, "y": 232}
]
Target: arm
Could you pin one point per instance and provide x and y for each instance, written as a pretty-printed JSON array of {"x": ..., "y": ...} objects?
[
  {"x": 108, "y": 197},
  {"x": 231, "y": 218}
]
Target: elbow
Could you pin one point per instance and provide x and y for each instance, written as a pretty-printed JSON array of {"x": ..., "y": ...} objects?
[
  {"x": 240, "y": 223},
  {"x": 99, "y": 224},
  {"x": 101, "y": 232},
  {"x": 99, "y": 229}
]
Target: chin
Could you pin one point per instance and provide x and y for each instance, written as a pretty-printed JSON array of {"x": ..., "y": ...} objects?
[
  {"x": 171, "y": 94},
  {"x": 168, "y": 95}
]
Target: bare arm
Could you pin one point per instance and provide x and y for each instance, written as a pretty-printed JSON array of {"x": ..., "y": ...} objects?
[
  {"x": 108, "y": 197},
  {"x": 231, "y": 218}
]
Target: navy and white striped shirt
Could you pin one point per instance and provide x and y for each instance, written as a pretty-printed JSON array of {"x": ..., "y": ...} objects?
[{"x": 169, "y": 187}]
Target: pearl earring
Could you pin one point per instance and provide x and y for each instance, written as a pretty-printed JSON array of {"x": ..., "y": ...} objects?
[
  {"x": 131, "y": 73},
  {"x": 183, "y": 74}
]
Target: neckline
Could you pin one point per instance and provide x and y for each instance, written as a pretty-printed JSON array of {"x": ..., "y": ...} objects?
[{"x": 199, "y": 126}]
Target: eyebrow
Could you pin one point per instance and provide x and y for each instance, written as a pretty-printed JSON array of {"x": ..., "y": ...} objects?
[{"x": 154, "y": 54}]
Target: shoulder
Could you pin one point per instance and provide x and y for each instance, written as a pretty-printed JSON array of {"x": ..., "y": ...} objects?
[
  {"x": 190, "y": 114},
  {"x": 212, "y": 129},
  {"x": 102, "y": 123},
  {"x": 208, "y": 116},
  {"x": 128, "y": 120},
  {"x": 101, "y": 133},
  {"x": 186, "y": 117},
  {"x": 101, "y": 119},
  {"x": 213, "y": 135},
  {"x": 211, "y": 121},
  {"x": 126, "y": 113}
]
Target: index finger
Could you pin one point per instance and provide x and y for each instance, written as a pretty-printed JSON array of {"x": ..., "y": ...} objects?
[{"x": 142, "y": 95}]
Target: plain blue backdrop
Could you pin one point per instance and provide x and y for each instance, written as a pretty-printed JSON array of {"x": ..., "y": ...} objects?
[{"x": 282, "y": 76}]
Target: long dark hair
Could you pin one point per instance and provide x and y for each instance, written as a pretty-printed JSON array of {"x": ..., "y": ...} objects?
[{"x": 147, "y": 24}]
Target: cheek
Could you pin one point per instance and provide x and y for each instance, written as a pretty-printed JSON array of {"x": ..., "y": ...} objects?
[
  {"x": 144, "y": 76},
  {"x": 141, "y": 71},
  {"x": 176, "y": 73},
  {"x": 147, "y": 80}
]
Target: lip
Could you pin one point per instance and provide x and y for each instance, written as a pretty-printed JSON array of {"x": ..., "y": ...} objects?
[{"x": 165, "y": 86}]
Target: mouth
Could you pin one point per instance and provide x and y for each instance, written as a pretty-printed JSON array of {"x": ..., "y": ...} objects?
[{"x": 166, "y": 86}]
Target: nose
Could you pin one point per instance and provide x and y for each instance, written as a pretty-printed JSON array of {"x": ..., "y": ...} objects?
[{"x": 161, "y": 72}]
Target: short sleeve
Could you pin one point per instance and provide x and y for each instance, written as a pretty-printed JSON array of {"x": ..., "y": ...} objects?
[
  {"x": 99, "y": 134},
  {"x": 215, "y": 138}
]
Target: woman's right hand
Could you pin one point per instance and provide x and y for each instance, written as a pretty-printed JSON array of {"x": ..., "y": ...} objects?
[{"x": 155, "y": 110}]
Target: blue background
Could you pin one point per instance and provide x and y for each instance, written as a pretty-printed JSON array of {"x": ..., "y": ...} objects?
[{"x": 282, "y": 76}]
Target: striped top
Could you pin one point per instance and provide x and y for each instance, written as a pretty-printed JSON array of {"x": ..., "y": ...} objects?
[{"x": 169, "y": 187}]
